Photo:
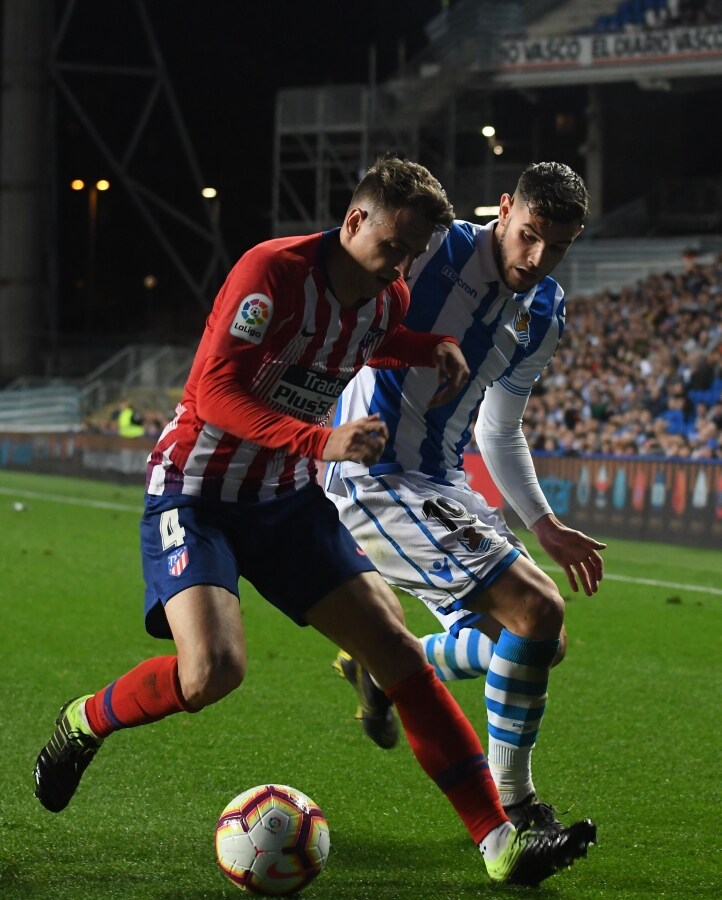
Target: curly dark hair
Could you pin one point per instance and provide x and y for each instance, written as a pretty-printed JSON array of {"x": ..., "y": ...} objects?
[
  {"x": 394, "y": 183},
  {"x": 554, "y": 192}
]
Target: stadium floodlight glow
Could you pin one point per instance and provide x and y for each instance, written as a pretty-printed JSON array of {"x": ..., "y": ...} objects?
[
  {"x": 77, "y": 184},
  {"x": 488, "y": 131},
  {"x": 497, "y": 149},
  {"x": 209, "y": 193},
  {"x": 482, "y": 211}
]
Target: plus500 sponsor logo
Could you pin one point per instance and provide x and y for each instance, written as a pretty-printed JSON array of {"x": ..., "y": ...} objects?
[{"x": 306, "y": 392}]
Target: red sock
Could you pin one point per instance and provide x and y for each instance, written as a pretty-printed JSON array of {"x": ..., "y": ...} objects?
[
  {"x": 149, "y": 692},
  {"x": 448, "y": 750}
]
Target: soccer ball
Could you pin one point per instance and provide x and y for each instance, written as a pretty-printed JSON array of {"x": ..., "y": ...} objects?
[{"x": 272, "y": 840}]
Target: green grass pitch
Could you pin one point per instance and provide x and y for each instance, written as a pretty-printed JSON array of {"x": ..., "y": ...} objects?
[{"x": 631, "y": 737}]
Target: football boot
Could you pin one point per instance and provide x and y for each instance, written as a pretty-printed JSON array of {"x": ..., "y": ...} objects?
[
  {"x": 62, "y": 761},
  {"x": 375, "y": 710}
]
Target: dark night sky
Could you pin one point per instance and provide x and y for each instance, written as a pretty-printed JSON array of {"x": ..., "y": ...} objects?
[{"x": 226, "y": 61}]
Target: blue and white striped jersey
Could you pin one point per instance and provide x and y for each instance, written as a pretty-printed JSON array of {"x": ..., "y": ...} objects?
[{"x": 507, "y": 339}]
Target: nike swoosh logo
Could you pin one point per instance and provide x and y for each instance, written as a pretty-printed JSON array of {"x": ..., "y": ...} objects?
[{"x": 274, "y": 872}]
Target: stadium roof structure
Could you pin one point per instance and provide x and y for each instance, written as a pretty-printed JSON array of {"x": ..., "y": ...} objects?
[{"x": 483, "y": 56}]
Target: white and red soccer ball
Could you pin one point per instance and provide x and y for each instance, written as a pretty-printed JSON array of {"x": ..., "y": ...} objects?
[{"x": 272, "y": 840}]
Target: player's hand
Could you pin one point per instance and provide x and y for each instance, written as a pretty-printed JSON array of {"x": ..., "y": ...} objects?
[
  {"x": 574, "y": 551},
  {"x": 452, "y": 370},
  {"x": 362, "y": 441}
]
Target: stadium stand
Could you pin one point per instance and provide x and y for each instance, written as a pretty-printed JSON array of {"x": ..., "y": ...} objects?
[
  {"x": 639, "y": 372},
  {"x": 50, "y": 407},
  {"x": 638, "y": 15},
  {"x": 150, "y": 376}
]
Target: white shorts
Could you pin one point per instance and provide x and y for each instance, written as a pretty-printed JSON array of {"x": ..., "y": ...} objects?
[{"x": 440, "y": 542}]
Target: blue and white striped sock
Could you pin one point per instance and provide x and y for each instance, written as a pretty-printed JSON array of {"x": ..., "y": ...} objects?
[
  {"x": 516, "y": 695},
  {"x": 454, "y": 658}
]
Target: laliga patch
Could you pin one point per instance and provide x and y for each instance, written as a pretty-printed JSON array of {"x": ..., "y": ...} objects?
[
  {"x": 253, "y": 318},
  {"x": 177, "y": 561}
]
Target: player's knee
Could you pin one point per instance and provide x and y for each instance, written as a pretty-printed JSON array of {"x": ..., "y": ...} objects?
[
  {"x": 548, "y": 614},
  {"x": 562, "y": 651},
  {"x": 208, "y": 680},
  {"x": 541, "y": 610},
  {"x": 397, "y": 657}
]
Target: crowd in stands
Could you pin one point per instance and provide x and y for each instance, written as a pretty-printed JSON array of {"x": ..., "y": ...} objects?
[
  {"x": 638, "y": 372},
  {"x": 636, "y": 15}
]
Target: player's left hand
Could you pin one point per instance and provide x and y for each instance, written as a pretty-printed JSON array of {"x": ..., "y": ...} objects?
[
  {"x": 574, "y": 551},
  {"x": 452, "y": 370}
]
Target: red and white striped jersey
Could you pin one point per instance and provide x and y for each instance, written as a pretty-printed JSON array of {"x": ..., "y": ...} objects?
[{"x": 276, "y": 353}]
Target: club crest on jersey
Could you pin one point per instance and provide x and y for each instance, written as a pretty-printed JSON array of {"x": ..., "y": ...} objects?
[
  {"x": 253, "y": 318},
  {"x": 522, "y": 322},
  {"x": 177, "y": 561},
  {"x": 370, "y": 341}
]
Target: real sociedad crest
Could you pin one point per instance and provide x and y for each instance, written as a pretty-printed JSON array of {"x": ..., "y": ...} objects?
[{"x": 522, "y": 323}]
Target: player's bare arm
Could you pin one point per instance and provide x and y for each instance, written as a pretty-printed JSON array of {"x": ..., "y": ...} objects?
[
  {"x": 362, "y": 440},
  {"x": 452, "y": 370},
  {"x": 574, "y": 551}
]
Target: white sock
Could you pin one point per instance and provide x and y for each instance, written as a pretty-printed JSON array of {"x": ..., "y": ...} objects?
[
  {"x": 516, "y": 695},
  {"x": 510, "y": 768},
  {"x": 84, "y": 718},
  {"x": 496, "y": 841}
]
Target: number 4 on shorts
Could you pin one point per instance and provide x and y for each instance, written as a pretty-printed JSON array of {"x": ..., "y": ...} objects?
[{"x": 172, "y": 533}]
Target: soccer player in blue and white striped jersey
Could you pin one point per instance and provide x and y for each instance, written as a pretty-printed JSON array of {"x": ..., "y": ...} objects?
[{"x": 414, "y": 513}]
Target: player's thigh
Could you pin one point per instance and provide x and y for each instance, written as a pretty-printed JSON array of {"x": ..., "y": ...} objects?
[
  {"x": 206, "y": 624},
  {"x": 523, "y": 599},
  {"x": 364, "y": 617}
]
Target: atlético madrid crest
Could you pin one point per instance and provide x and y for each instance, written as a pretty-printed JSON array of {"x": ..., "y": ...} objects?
[{"x": 177, "y": 561}]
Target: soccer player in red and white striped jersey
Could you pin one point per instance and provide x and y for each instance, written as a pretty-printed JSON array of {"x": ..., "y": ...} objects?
[
  {"x": 278, "y": 349},
  {"x": 231, "y": 493}
]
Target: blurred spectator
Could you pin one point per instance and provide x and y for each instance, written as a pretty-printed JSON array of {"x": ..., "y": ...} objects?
[
  {"x": 701, "y": 372},
  {"x": 129, "y": 421}
]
